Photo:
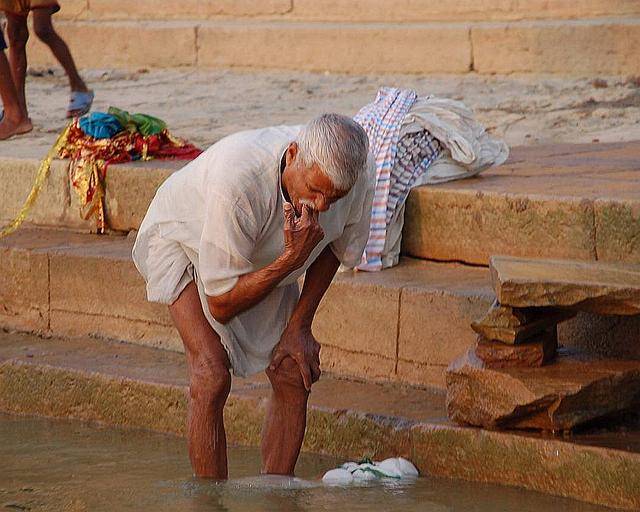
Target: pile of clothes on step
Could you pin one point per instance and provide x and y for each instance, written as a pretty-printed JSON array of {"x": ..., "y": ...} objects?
[
  {"x": 98, "y": 139},
  {"x": 417, "y": 140}
]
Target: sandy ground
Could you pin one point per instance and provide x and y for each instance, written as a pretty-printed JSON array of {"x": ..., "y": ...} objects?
[{"x": 203, "y": 106}]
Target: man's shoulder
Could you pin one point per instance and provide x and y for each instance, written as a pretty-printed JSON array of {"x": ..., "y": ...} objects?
[{"x": 269, "y": 139}]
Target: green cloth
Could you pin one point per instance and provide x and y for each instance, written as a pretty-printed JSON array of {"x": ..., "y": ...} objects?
[{"x": 143, "y": 123}]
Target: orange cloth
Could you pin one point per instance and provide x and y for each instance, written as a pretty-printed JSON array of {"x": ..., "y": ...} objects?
[{"x": 22, "y": 7}]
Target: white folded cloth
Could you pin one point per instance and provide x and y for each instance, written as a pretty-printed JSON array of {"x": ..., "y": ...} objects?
[{"x": 349, "y": 472}]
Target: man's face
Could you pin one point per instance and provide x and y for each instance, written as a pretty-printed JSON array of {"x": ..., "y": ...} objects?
[{"x": 310, "y": 186}]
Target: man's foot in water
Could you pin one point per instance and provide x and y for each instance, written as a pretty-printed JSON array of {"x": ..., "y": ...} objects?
[{"x": 10, "y": 127}]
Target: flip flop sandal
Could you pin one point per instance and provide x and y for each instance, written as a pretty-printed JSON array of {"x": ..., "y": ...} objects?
[{"x": 79, "y": 103}]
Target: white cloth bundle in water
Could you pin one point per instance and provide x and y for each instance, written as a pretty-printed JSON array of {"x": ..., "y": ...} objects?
[{"x": 349, "y": 472}]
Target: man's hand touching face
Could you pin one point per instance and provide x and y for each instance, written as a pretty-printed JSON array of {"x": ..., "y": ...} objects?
[{"x": 301, "y": 234}]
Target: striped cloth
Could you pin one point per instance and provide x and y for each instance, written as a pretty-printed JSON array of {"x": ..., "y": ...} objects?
[
  {"x": 416, "y": 152},
  {"x": 382, "y": 120}
]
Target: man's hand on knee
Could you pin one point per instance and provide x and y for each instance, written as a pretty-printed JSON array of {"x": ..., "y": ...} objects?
[{"x": 303, "y": 349}]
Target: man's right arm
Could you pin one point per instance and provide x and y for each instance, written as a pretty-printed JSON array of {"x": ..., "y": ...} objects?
[{"x": 300, "y": 237}]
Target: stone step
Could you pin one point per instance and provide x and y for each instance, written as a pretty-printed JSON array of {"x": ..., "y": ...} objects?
[
  {"x": 404, "y": 324},
  {"x": 353, "y": 10},
  {"x": 603, "y": 288},
  {"x": 565, "y": 201},
  {"x": 600, "y": 46},
  {"x": 132, "y": 386}
]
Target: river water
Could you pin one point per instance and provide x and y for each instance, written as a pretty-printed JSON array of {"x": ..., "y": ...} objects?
[{"x": 71, "y": 467}]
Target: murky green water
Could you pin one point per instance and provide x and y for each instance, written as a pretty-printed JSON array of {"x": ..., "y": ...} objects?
[{"x": 70, "y": 466}]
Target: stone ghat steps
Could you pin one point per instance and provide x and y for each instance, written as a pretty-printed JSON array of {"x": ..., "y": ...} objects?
[
  {"x": 131, "y": 386},
  {"x": 577, "y": 202},
  {"x": 351, "y": 10},
  {"x": 404, "y": 324},
  {"x": 578, "y": 47}
]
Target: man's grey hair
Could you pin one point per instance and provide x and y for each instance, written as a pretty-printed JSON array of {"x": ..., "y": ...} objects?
[{"x": 338, "y": 145}]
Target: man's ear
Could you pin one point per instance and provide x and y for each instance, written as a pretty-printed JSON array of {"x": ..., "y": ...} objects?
[{"x": 292, "y": 152}]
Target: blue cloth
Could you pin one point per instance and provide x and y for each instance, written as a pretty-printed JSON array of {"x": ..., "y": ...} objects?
[
  {"x": 100, "y": 125},
  {"x": 3, "y": 43}
]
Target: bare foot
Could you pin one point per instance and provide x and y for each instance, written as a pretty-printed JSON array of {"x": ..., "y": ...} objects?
[{"x": 9, "y": 128}]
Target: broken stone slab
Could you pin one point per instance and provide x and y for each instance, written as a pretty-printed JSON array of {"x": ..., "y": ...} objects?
[
  {"x": 517, "y": 325},
  {"x": 559, "y": 397},
  {"x": 603, "y": 288},
  {"x": 533, "y": 354}
]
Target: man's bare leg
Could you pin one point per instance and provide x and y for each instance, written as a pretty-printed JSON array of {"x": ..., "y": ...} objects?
[
  {"x": 209, "y": 385},
  {"x": 43, "y": 28},
  {"x": 18, "y": 34},
  {"x": 286, "y": 419}
]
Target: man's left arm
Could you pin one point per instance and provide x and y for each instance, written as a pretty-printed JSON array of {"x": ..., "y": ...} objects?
[{"x": 297, "y": 341}]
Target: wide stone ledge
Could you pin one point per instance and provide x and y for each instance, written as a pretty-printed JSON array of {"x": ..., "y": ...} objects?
[{"x": 602, "y": 288}]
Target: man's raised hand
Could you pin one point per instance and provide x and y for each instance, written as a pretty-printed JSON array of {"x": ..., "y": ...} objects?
[{"x": 301, "y": 235}]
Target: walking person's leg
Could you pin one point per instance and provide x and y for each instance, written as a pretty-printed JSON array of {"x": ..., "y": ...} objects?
[
  {"x": 13, "y": 121},
  {"x": 43, "y": 27},
  {"x": 209, "y": 385},
  {"x": 18, "y": 34}
]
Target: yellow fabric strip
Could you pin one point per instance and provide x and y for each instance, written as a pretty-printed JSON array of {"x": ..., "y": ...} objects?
[{"x": 41, "y": 177}]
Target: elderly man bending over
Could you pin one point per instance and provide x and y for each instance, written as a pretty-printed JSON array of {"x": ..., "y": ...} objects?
[{"x": 224, "y": 242}]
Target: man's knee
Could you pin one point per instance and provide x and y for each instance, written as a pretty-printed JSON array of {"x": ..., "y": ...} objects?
[
  {"x": 287, "y": 377},
  {"x": 210, "y": 381}
]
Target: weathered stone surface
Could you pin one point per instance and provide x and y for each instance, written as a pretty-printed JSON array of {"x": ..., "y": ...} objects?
[
  {"x": 56, "y": 204},
  {"x": 577, "y": 47},
  {"x": 602, "y": 288},
  {"x": 359, "y": 316},
  {"x": 331, "y": 47},
  {"x": 561, "y": 396},
  {"x": 109, "y": 45},
  {"x": 452, "y": 223},
  {"x": 130, "y": 189},
  {"x": 610, "y": 336},
  {"x": 356, "y": 364},
  {"x": 420, "y": 374},
  {"x": 436, "y": 303},
  {"x": 456, "y": 10},
  {"x": 184, "y": 9},
  {"x": 535, "y": 352},
  {"x": 517, "y": 325},
  {"x": 353, "y": 10},
  {"x": 618, "y": 229},
  {"x": 24, "y": 294},
  {"x": 538, "y": 463},
  {"x": 574, "y": 201},
  {"x": 73, "y": 9}
]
